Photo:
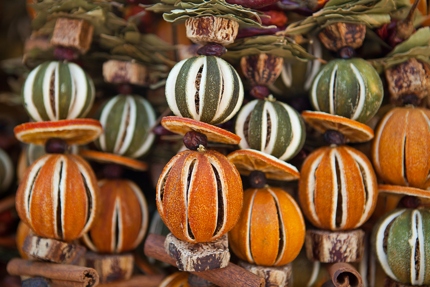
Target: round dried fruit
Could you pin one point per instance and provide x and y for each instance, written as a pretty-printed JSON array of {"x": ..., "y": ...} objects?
[
  {"x": 402, "y": 246},
  {"x": 6, "y": 171},
  {"x": 57, "y": 91},
  {"x": 127, "y": 121},
  {"x": 271, "y": 228},
  {"x": 271, "y": 127},
  {"x": 401, "y": 147},
  {"x": 347, "y": 87},
  {"x": 58, "y": 196},
  {"x": 199, "y": 195},
  {"x": 204, "y": 88},
  {"x": 261, "y": 69},
  {"x": 337, "y": 188},
  {"x": 122, "y": 222}
]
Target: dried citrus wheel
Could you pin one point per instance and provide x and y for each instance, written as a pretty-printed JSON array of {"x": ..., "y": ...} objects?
[
  {"x": 401, "y": 147},
  {"x": 353, "y": 131},
  {"x": 349, "y": 88},
  {"x": 199, "y": 195},
  {"x": 271, "y": 228},
  {"x": 75, "y": 131},
  {"x": 204, "y": 88},
  {"x": 403, "y": 190},
  {"x": 58, "y": 197},
  {"x": 122, "y": 222},
  {"x": 182, "y": 125},
  {"x": 177, "y": 279},
  {"x": 105, "y": 157},
  {"x": 337, "y": 188},
  {"x": 58, "y": 91},
  {"x": 247, "y": 160},
  {"x": 402, "y": 245}
]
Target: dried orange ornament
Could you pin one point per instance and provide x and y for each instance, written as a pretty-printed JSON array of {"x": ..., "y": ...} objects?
[
  {"x": 401, "y": 147},
  {"x": 58, "y": 196}
]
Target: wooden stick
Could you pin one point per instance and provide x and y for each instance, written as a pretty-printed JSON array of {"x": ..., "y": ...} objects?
[
  {"x": 232, "y": 275},
  {"x": 81, "y": 276},
  {"x": 344, "y": 275},
  {"x": 137, "y": 281}
]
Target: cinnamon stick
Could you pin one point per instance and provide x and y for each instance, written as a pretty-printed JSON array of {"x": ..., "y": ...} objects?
[
  {"x": 344, "y": 275},
  {"x": 137, "y": 281},
  {"x": 232, "y": 275},
  {"x": 67, "y": 274}
]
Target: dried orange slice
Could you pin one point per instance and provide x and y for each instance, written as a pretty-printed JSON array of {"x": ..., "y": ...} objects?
[
  {"x": 404, "y": 190},
  {"x": 73, "y": 131},
  {"x": 182, "y": 125},
  {"x": 353, "y": 131},
  {"x": 247, "y": 160},
  {"x": 105, "y": 157}
]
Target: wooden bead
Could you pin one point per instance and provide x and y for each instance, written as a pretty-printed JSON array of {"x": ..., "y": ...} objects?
[
  {"x": 331, "y": 247},
  {"x": 273, "y": 276},
  {"x": 53, "y": 250},
  {"x": 73, "y": 33},
  {"x": 110, "y": 267},
  {"x": 118, "y": 72},
  {"x": 199, "y": 256}
]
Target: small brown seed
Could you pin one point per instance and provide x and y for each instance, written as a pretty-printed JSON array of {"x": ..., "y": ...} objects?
[
  {"x": 260, "y": 92},
  {"x": 193, "y": 140},
  {"x": 55, "y": 145},
  {"x": 113, "y": 171},
  {"x": 212, "y": 49},
  {"x": 346, "y": 52},
  {"x": 334, "y": 137},
  {"x": 257, "y": 179},
  {"x": 409, "y": 201}
]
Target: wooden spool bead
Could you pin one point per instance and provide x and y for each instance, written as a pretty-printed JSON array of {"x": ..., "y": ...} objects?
[
  {"x": 199, "y": 195},
  {"x": 408, "y": 82},
  {"x": 198, "y": 256},
  {"x": 344, "y": 81},
  {"x": 335, "y": 246},
  {"x": 211, "y": 29},
  {"x": 272, "y": 127},
  {"x": 127, "y": 121},
  {"x": 110, "y": 267},
  {"x": 122, "y": 222},
  {"x": 273, "y": 276},
  {"x": 56, "y": 91},
  {"x": 204, "y": 88},
  {"x": 337, "y": 188},
  {"x": 73, "y": 33},
  {"x": 58, "y": 197},
  {"x": 271, "y": 229},
  {"x": 402, "y": 245},
  {"x": 120, "y": 72},
  {"x": 6, "y": 171},
  {"x": 401, "y": 147},
  {"x": 341, "y": 34},
  {"x": 53, "y": 250}
]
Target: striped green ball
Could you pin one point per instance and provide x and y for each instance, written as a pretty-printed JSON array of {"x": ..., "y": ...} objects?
[
  {"x": 402, "y": 245},
  {"x": 6, "y": 171},
  {"x": 57, "y": 91},
  {"x": 347, "y": 87},
  {"x": 127, "y": 121},
  {"x": 204, "y": 88},
  {"x": 272, "y": 127}
]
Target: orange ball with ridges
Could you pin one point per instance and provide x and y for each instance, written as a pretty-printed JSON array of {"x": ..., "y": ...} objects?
[
  {"x": 401, "y": 147},
  {"x": 271, "y": 229},
  {"x": 199, "y": 195},
  {"x": 123, "y": 219},
  {"x": 337, "y": 188},
  {"x": 57, "y": 197}
]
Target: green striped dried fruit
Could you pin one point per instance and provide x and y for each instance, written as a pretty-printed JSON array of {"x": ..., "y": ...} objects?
[
  {"x": 57, "y": 91},
  {"x": 204, "y": 88},
  {"x": 350, "y": 88},
  {"x": 271, "y": 127},
  {"x": 402, "y": 245},
  {"x": 127, "y": 121}
]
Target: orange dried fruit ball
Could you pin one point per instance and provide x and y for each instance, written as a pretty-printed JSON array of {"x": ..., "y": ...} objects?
[
  {"x": 271, "y": 228},
  {"x": 199, "y": 195},
  {"x": 401, "y": 147},
  {"x": 122, "y": 221},
  {"x": 58, "y": 196},
  {"x": 337, "y": 188}
]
